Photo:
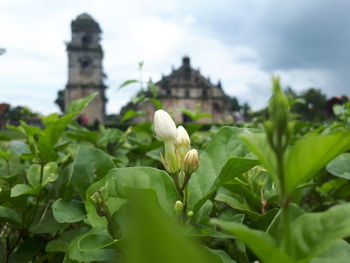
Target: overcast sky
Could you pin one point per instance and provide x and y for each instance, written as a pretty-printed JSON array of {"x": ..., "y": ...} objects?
[{"x": 241, "y": 42}]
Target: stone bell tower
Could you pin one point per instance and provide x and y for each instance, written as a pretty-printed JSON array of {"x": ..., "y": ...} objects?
[{"x": 85, "y": 72}]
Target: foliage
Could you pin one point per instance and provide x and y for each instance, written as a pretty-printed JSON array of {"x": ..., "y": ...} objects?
[{"x": 273, "y": 194}]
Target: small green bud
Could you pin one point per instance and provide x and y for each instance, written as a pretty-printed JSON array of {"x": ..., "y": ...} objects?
[
  {"x": 178, "y": 207},
  {"x": 190, "y": 213},
  {"x": 191, "y": 161},
  {"x": 278, "y": 108}
]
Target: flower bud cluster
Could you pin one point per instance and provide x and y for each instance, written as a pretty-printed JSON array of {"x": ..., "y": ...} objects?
[
  {"x": 278, "y": 128},
  {"x": 178, "y": 153}
]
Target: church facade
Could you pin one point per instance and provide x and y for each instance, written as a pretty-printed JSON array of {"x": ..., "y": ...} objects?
[
  {"x": 187, "y": 88},
  {"x": 85, "y": 71},
  {"x": 183, "y": 88}
]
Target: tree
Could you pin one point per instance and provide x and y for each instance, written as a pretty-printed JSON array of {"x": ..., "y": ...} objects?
[
  {"x": 60, "y": 100},
  {"x": 314, "y": 106}
]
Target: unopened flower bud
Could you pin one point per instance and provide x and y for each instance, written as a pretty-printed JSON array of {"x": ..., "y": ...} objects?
[
  {"x": 182, "y": 141},
  {"x": 164, "y": 126},
  {"x": 178, "y": 207},
  {"x": 191, "y": 161},
  {"x": 190, "y": 213},
  {"x": 279, "y": 108}
]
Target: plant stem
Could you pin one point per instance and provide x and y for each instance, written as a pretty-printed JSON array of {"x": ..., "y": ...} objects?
[{"x": 108, "y": 216}]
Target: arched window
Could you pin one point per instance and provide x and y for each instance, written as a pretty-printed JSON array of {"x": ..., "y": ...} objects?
[
  {"x": 204, "y": 93},
  {"x": 85, "y": 63},
  {"x": 86, "y": 40}
]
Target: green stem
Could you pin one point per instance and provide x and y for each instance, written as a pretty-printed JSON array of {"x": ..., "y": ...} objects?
[
  {"x": 170, "y": 153},
  {"x": 108, "y": 216}
]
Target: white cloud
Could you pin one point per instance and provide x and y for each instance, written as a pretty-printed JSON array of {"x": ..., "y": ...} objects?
[{"x": 157, "y": 32}]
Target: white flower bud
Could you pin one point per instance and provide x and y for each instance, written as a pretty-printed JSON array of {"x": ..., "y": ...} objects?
[
  {"x": 191, "y": 161},
  {"x": 164, "y": 126},
  {"x": 182, "y": 142},
  {"x": 182, "y": 137}
]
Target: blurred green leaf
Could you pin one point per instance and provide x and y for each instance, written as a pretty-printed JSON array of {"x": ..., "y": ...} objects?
[
  {"x": 121, "y": 179},
  {"x": 127, "y": 83},
  {"x": 68, "y": 211},
  {"x": 340, "y": 166},
  {"x": 262, "y": 244},
  {"x": 9, "y": 214}
]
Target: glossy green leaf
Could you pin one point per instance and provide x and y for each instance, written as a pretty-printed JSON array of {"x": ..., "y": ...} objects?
[
  {"x": 61, "y": 243},
  {"x": 77, "y": 106},
  {"x": 340, "y": 166},
  {"x": 338, "y": 253},
  {"x": 68, "y": 211},
  {"x": 234, "y": 167},
  {"x": 8, "y": 214},
  {"x": 24, "y": 189},
  {"x": 258, "y": 144},
  {"x": 120, "y": 179},
  {"x": 225, "y": 158},
  {"x": 51, "y": 134},
  {"x": 127, "y": 83},
  {"x": 75, "y": 251},
  {"x": 237, "y": 204},
  {"x": 314, "y": 233},
  {"x": 262, "y": 244},
  {"x": 90, "y": 165},
  {"x": 311, "y": 153},
  {"x": 161, "y": 240},
  {"x": 33, "y": 174}
]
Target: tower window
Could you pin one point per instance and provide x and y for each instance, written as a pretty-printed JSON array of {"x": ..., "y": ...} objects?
[
  {"x": 86, "y": 40},
  {"x": 85, "y": 63},
  {"x": 216, "y": 107},
  {"x": 187, "y": 93},
  {"x": 168, "y": 92},
  {"x": 204, "y": 93}
]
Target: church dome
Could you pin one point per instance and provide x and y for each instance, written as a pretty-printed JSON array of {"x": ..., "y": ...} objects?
[
  {"x": 85, "y": 22},
  {"x": 84, "y": 16}
]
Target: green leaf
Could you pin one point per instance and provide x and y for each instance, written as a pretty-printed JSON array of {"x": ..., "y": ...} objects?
[
  {"x": 131, "y": 114},
  {"x": 314, "y": 233},
  {"x": 77, "y": 106},
  {"x": 51, "y": 134},
  {"x": 304, "y": 159},
  {"x": 223, "y": 255},
  {"x": 90, "y": 165},
  {"x": 9, "y": 214},
  {"x": 61, "y": 243},
  {"x": 161, "y": 240},
  {"x": 262, "y": 244},
  {"x": 127, "y": 83},
  {"x": 338, "y": 253},
  {"x": 68, "y": 211},
  {"x": 23, "y": 189},
  {"x": 33, "y": 175},
  {"x": 121, "y": 179},
  {"x": 236, "y": 204},
  {"x": 94, "y": 240},
  {"x": 258, "y": 144},
  {"x": 90, "y": 250},
  {"x": 225, "y": 153},
  {"x": 275, "y": 229},
  {"x": 340, "y": 166},
  {"x": 234, "y": 167},
  {"x": 311, "y": 153},
  {"x": 50, "y": 173}
]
